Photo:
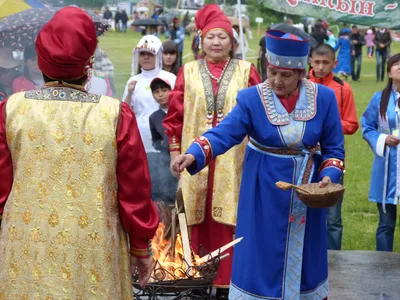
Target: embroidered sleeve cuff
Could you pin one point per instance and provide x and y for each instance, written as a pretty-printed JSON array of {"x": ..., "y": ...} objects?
[
  {"x": 334, "y": 168},
  {"x": 202, "y": 151},
  {"x": 380, "y": 145},
  {"x": 206, "y": 149},
  {"x": 175, "y": 148},
  {"x": 142, "y": 252},
  {"x": 174, "y": 144}
]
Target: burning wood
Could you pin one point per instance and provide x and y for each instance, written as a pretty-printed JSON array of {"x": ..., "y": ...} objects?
[
  {"x": 173, "y": 257},
  {"x": 176, "y": 266},
  {"x": 187, "y": 252},
  {"x": 217, "y": 252},
  {"x": 180, "y": 266}
]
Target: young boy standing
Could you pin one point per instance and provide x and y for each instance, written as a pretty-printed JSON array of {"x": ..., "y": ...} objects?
[
  {"x": 323, "y": 61},
  {"x": 164, "y": 185}
]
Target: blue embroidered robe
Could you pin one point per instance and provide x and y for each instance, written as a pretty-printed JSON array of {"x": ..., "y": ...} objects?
[
  {"x": 385, "y": 177},
  {"x": 283, "y": 254}
]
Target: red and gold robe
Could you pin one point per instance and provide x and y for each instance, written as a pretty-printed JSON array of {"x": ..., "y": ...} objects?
[
  {"x": 196, "y": 104},
  {"x": 70, "y": 167}
]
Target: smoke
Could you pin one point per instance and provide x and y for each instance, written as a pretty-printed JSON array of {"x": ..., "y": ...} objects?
[{"x": 163, "y": 184}]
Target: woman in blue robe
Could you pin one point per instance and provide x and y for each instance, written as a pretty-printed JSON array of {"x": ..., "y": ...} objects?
[
  {"x": 345, "y": 48},
  {"x": 380, "y": 127},
  {"x": 295, "y": 135}
]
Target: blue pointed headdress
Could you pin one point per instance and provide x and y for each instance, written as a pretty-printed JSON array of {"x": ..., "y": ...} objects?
[{"x": 286, "y": 50}]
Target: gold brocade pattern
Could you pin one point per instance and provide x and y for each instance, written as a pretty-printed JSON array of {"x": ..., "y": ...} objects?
[
  {"x": 61, "y": 235},
  {"x": 228, "y": 169}
]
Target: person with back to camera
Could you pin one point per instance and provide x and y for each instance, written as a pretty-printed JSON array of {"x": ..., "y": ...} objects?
[{"x": 74, "y": 225}]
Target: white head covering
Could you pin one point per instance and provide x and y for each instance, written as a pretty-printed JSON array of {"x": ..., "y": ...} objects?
[{"x": 151, "y": 44}]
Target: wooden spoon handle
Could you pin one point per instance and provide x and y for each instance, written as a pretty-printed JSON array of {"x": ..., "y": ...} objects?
[
  {"x": 301, "y": 189},
  {"x": 286, "y": 186}
]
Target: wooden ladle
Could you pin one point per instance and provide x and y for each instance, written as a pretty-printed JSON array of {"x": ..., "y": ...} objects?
[{"x": 287, "y": 186}]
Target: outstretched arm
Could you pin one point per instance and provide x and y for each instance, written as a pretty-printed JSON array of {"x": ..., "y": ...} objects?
[{"x": 230, "y": 132}]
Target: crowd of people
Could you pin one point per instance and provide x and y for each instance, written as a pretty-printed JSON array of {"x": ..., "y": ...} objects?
[
  {"x": 349, "y": 45},
  {"x": 80, "y": 168}
]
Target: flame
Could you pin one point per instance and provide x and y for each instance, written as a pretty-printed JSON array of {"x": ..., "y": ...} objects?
[{"x": 175, "y": 266}]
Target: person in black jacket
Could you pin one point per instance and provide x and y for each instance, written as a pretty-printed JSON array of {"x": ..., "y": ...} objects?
[
  {"x": 117, "y": 20},
  {"x": 382, "y": 42},
  {"x": 319, "y": 33},
  {"x": 357, "y": 39},
  {"x": 107, "y": 14},
  {"x": 124, "y": 20},
  {"x": 164, "y": 185}
]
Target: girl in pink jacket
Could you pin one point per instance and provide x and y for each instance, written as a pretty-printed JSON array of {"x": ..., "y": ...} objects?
[{"x": 369, "y": 42}]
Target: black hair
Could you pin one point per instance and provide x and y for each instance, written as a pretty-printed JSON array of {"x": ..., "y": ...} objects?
[
  {"x": 388, "y": 89},
  {"x": 159, "y": 84},
  {"x": 169, "y": 47},
  {"x": 29, "y": 53},
  {"x": 324, "y": 49},
  {"x": 354, "y": 27},
  {"x": 79, "y": 81},
  {"x": 318, "y": 26}
]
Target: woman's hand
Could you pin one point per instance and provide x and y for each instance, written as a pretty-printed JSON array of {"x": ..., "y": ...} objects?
[
  {"x": 181, "y": 162},
  {"x": 131, "y": 87},
  {"x": 144, "y": 266},
  {"x": 325, "y": 181},
  {"x": 173, "y": 156},
  {"x": 392, "y": 141}
]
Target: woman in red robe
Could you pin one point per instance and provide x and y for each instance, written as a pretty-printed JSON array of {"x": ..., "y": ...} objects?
[
  {"x": 70, "y": 165},
  {"x": 204, "y": 94}
]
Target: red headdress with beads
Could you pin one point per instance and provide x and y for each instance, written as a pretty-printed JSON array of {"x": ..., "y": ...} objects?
[
  {"x": 212, "y": 17},
  {"x": 66, "y": 45}
]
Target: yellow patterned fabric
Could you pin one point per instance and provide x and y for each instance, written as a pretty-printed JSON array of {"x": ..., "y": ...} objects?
[
  {"x": 228, "y": 169},
  {"x": 61, "y": 235}
]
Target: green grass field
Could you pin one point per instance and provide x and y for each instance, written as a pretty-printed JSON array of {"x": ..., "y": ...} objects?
[{"x": 359, "y": 216}]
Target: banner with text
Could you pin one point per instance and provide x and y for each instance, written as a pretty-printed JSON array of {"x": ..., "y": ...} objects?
[{"x": 382, "y": 13}]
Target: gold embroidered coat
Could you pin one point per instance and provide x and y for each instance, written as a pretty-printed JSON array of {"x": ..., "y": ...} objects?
[
  {"x": 199, "y": 108},
  {"x": 61, "y": 235}
]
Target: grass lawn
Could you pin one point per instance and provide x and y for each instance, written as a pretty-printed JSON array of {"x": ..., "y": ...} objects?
[{"x": 359, "y": 216}]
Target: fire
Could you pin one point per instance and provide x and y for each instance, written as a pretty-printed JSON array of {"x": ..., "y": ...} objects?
[{"x": 175, "y": 266}]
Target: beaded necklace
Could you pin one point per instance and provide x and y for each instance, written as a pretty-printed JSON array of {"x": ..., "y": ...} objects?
[{"x": 222, "y": 74}]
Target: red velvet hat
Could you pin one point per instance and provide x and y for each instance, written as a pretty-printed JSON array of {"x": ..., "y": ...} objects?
[
  {"x": 66, "y": 44},
  {"x": 211, "y": 17}
]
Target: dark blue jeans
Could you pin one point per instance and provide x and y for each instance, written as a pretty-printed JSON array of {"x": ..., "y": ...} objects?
[
  {"x": 334, "y": 225},
  {"x": 385, "y": 231},
  {"x": 355, "y": 73},
  {"x": 381, "y": 55}
]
